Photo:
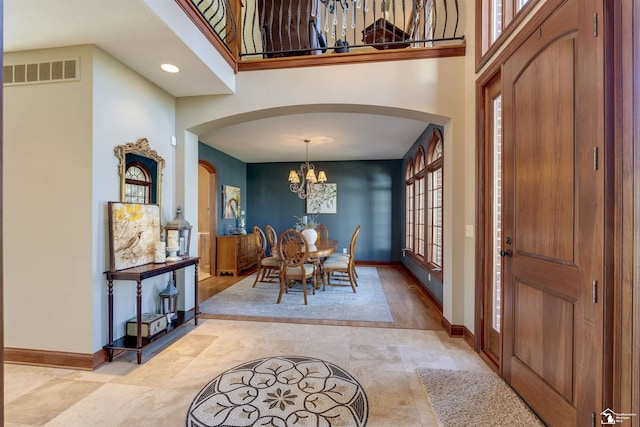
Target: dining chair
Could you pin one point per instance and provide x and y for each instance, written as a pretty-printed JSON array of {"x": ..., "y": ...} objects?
[
  {"x": 294, "y": 252},
  {"x": 342, "y": 263},
  {"x": 272, "y": 238},
  {"x": 348, "y": 255},
  {"x": 323, "y": 232},
  {"x": 267, "y": 265}
]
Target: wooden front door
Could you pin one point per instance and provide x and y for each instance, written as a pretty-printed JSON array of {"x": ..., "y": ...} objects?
[{"x": 554, "y": 217}]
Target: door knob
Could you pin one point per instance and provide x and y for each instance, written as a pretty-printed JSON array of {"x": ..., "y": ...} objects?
[{"x": 507, "y": 252}]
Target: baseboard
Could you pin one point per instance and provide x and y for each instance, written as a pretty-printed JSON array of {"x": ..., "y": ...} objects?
[
  {"x": 452, "y": 330},
  {"x": 373, "y": 263},
  {"x": 56, "y": 359},
  {"x": 469, "y": 338}
]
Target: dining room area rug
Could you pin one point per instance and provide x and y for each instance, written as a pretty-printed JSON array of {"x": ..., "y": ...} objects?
[
  {"x": 470, "y": 398},
  {"x": 293, "y": 391},
  {"x": 368, "y": 304}
]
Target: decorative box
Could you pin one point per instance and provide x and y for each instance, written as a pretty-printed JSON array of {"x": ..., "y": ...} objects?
[
  {"x": 152, "y": 324},
  {"x": 383, "y": 31}
]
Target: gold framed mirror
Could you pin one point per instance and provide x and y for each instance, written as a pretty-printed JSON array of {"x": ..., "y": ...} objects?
[{"x": 140, "y": 171}]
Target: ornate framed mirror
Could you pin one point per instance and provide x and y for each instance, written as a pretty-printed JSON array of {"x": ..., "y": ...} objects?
[{"x": 140, "y": 171}]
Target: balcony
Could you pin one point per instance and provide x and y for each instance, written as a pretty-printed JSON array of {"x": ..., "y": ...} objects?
[{"x": 264, "y": 34}]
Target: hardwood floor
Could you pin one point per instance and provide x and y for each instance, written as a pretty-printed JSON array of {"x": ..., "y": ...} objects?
[{"x": 409, "y": 305}]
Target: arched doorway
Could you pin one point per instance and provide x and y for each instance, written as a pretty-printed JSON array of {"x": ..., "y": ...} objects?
[{"x": 207, "y": 218}]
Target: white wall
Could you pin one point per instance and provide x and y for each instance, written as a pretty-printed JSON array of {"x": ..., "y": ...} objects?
[
  {"x": 47, "y": 216},
  {"x": 125, "y": 107},
  {"x": 59, "y": 172}
]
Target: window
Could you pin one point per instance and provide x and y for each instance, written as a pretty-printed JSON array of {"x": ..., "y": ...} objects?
[
  {"x": 137, "y": 184},
  {"x": 423, "y": 204},
  {"x": 419, "y": 246},
  {"x": 495, "y": 20},
  {"x": 408, "y": 206},
  {"x": 434, "y": 200}
]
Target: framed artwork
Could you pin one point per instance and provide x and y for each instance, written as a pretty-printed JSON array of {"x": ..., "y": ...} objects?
[
  {"x": 231, "y": 202},
  {"x": 134, "y": 230},
  {"x": 323, "y": 200}
]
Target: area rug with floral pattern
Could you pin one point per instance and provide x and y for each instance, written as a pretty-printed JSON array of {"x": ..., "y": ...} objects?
[{"x": 293, "y": 391}]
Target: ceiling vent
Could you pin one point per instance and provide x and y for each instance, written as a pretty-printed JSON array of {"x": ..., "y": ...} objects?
[{"x": 43, "y": 72}]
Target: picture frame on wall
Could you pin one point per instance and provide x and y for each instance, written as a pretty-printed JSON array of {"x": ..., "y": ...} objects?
[
  {"x": 134, "y": 230},
  {"x": 324, "y": 199},
  {"x": 230, "y": 202}
]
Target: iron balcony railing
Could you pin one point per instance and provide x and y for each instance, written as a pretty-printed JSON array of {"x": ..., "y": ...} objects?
[{"x": 258, "y": 29}]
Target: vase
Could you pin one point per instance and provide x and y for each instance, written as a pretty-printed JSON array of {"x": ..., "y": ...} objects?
[{"x": 311, "y": 235}]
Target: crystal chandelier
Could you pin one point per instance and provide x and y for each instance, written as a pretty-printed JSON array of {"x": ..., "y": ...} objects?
[{"x": 302, "y": 181}]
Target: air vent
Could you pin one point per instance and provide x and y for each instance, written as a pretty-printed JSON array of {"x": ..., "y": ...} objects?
[{"x": 42, "y": 72}]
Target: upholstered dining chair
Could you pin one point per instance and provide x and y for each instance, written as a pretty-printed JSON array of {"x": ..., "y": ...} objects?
[
  {"x": 293, "y": 252},
  {"x": 266, "y": 265},
  {"x": 323, "y": 232},
  {"x": 342, "y": 263},
  {"x": 272, "y": 238}
]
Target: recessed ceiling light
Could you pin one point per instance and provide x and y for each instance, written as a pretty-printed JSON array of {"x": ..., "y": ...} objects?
[{"x": 170, "y": 68}]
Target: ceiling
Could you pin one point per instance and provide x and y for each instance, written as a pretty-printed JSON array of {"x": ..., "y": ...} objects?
[{"x": 133, "y": 32}]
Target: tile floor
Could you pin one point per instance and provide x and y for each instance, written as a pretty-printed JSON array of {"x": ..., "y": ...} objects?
[{"x": 159, "y": 391}]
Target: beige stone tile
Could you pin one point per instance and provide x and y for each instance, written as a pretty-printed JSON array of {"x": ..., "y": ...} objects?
[
  {"x": 391, "y": 417},
  {"x": 428, "y": 419},
  {"x": 22, "y": 379},
  {"x": 382, "y": 357},
  {"x": 168, "y": 408},
  {"x": 190, "y": 346},
  {"x": 107, "y": 406},
  {"x": 330, "y": 334},
  {"x": 412, "y": 359},
  {"x": 275, "y": 347},
  {"x": 421, "y": 399},
  {"x": 373, "y": 336},
  {"x": 105, "y": 372},
  {"x": 385, "y": 389},
  {"x": 156, "y": 372},
  {"x": 337, "y": 353},
  {"x": 48, "y": 400}
]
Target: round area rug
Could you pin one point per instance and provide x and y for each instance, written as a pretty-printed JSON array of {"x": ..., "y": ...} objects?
[{"x": 280, "y": 392}]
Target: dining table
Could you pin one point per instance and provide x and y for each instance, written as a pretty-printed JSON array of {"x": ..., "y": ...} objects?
[
  {"x": 318, "y": 252},
  {"x": 322, "y": 248}
]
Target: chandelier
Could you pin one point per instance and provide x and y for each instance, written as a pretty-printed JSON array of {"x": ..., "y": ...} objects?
[{"x": 302, "y": 181}]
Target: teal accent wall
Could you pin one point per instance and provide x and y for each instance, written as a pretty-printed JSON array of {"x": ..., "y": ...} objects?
[
  {"x": 369, "y": 195},
  {"x": 230, "y": 171}
]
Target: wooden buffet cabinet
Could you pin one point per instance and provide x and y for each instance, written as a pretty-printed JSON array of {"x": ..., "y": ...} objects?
[{"x": 236, "y": 253}]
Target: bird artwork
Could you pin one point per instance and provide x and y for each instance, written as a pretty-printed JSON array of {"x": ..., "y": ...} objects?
[
  {"x": 133, "y": 233},
  {"x": 132, "y": 242}
]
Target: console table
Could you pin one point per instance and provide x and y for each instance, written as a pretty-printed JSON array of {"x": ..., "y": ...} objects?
[{"x": 138, "y": 274}]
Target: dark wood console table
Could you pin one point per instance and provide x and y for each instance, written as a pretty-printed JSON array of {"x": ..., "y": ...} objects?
[{"x": 138, "y": 274}]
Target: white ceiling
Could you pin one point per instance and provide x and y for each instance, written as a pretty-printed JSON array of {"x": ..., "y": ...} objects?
[{"x": 132, "y": 32}]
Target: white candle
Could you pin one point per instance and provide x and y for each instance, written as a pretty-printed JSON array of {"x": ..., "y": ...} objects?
[
  {"x": 160, "y": 254},
  {"x": 172, "y": 239},
  {"x": 304, "y": 220}
]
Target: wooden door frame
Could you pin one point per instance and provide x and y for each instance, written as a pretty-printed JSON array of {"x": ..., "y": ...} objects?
[
  {"x": 213, "y": 212},
  {"x": 483, "y": 220},
  {"x": 624, "y": 297}
]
